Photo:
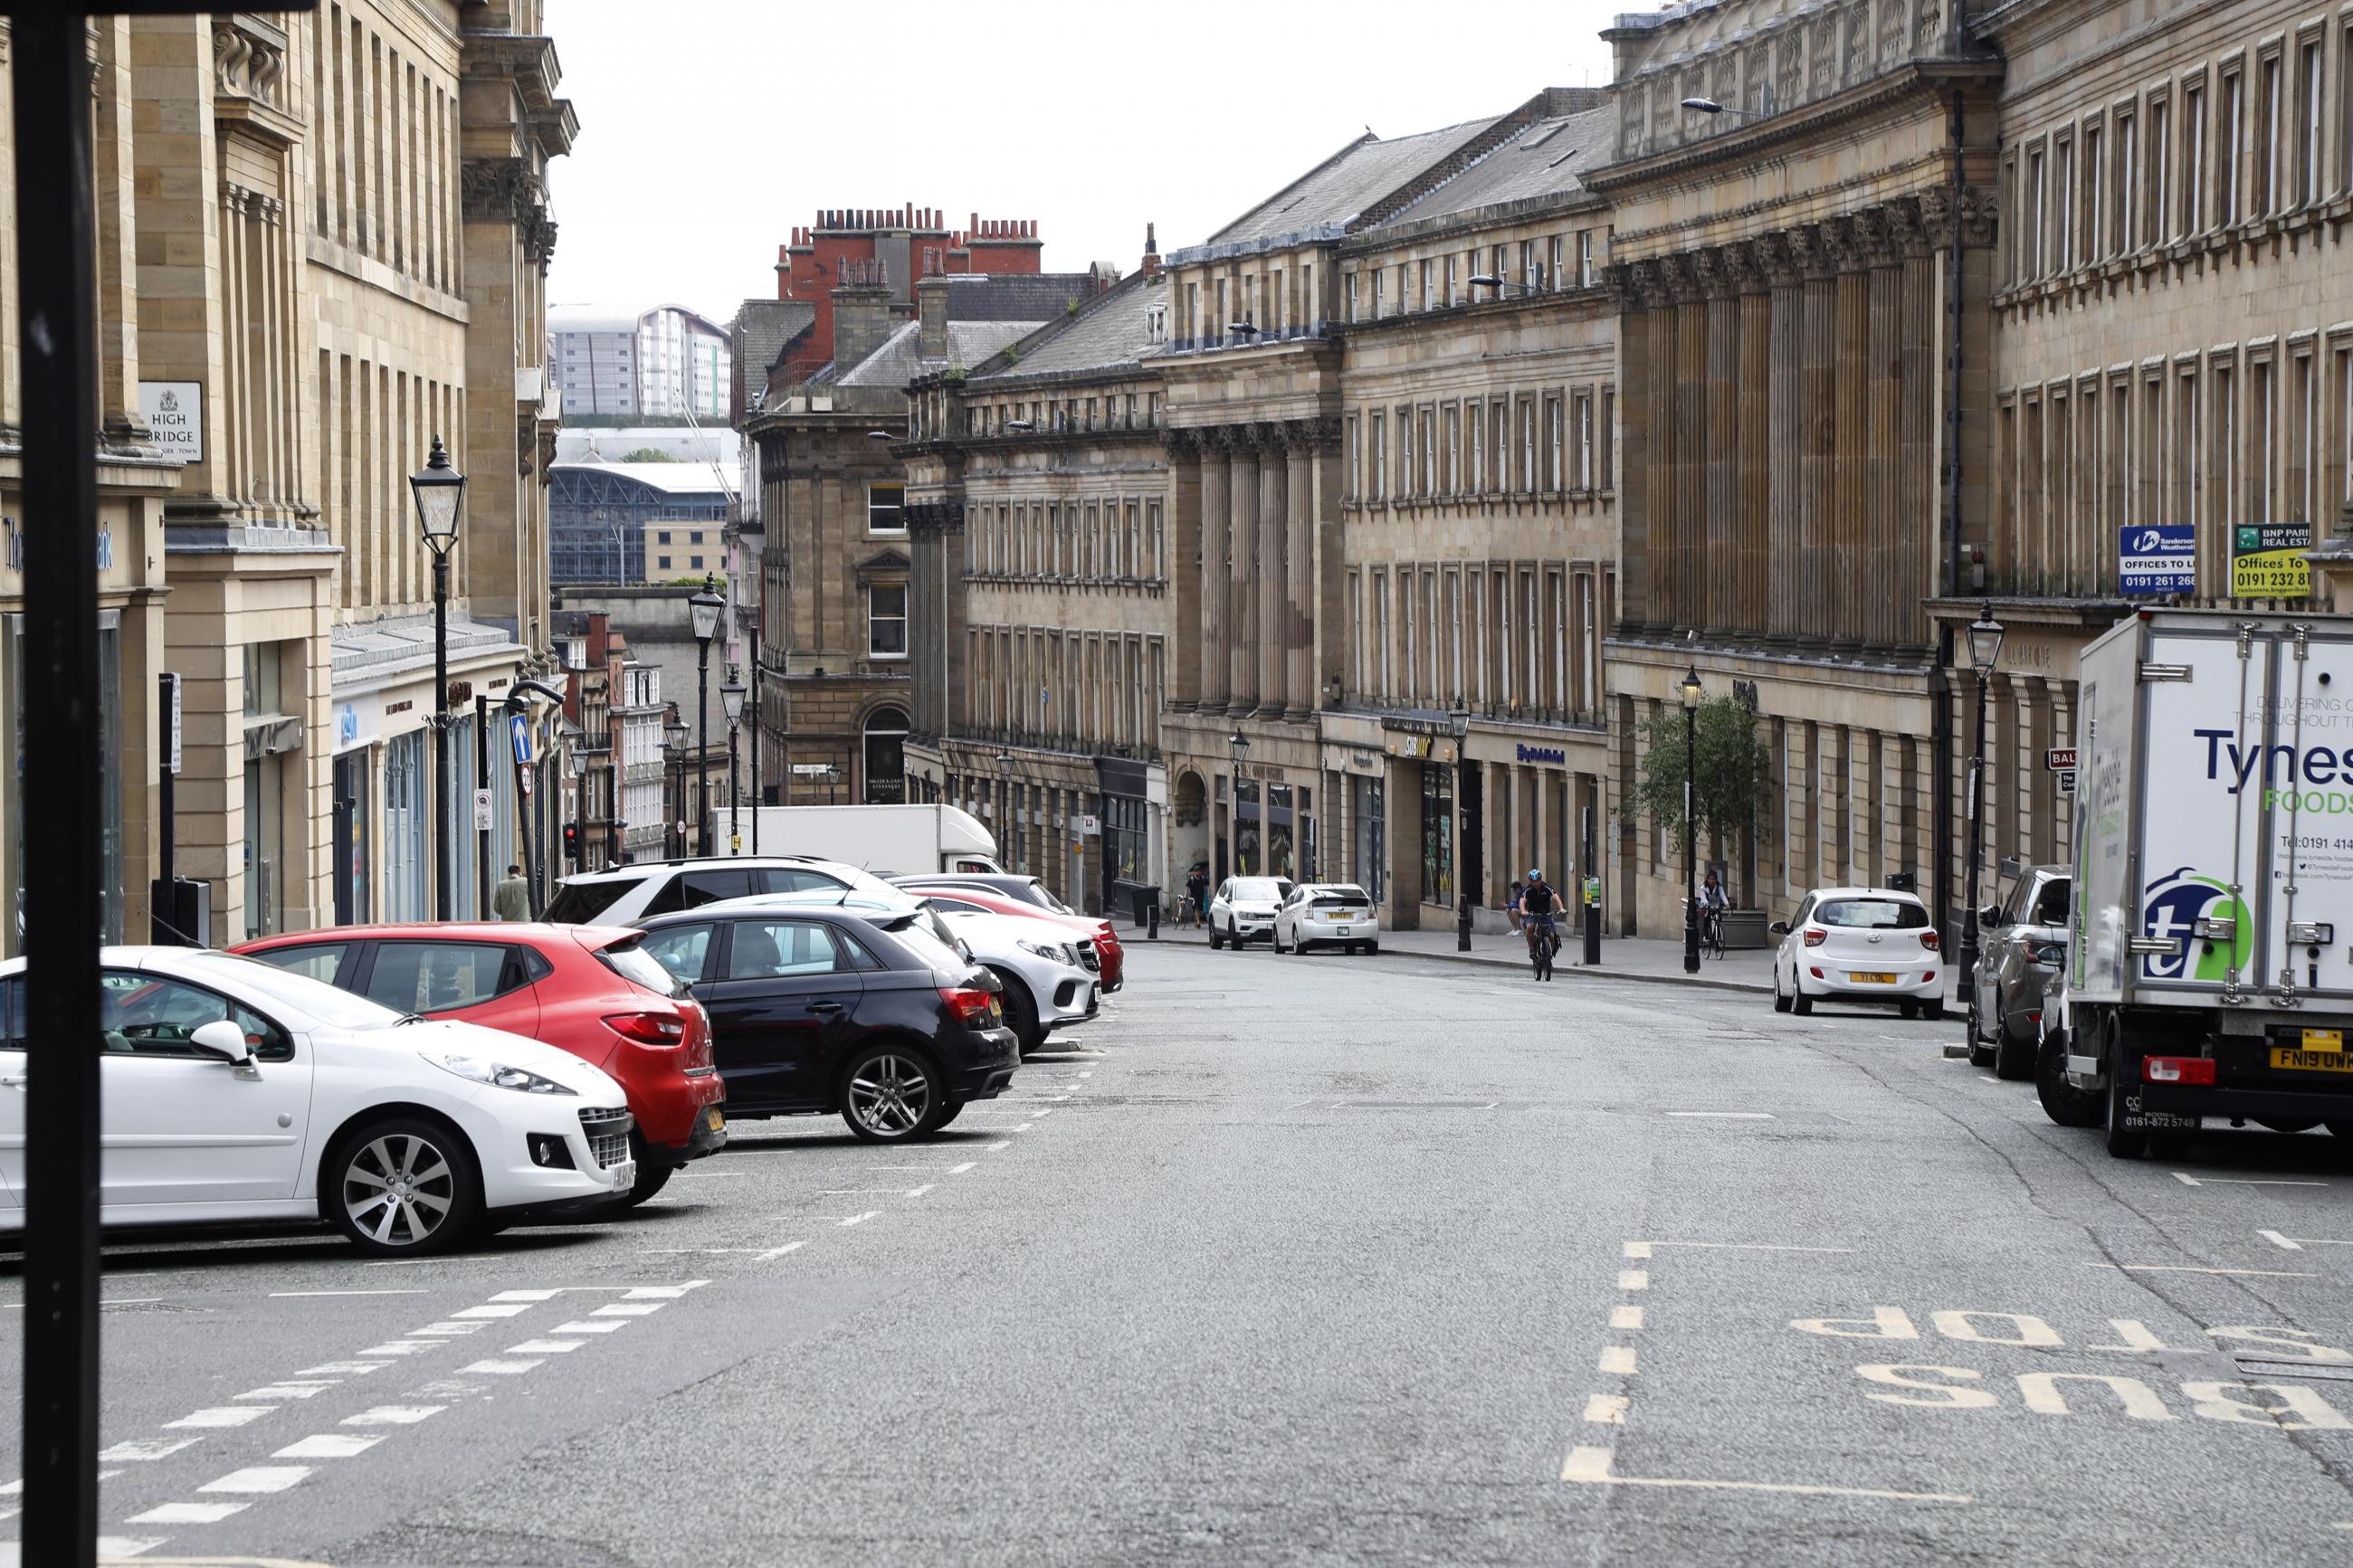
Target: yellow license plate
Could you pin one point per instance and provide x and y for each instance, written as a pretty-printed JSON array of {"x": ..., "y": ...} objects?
[
  {"x": 1871, "y": 979},
  {"x": 2311, "y": 1061},
  {"x": 2323, "y": 1039},
  {"x": 718, "y": 1122}
]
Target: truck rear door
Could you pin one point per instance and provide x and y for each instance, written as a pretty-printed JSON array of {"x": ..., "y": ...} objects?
[{"x": 2305, "y": 787}]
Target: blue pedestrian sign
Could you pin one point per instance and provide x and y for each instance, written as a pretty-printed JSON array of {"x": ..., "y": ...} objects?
[
  {"x": 522, "y": 728},
  {"x": 2157, "y": 559}
]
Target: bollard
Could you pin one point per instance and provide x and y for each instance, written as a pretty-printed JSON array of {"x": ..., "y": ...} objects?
[
  {"x": 1155, "y": 916},
  {"x": 1462, "y": 926},
  {"x": 1593, "y": 919}
]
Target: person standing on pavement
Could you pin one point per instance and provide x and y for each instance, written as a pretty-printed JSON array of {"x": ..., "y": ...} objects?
[
  {"x": 510, "y": 900},
  {"x": 1197, "y": 889},
  {"x": 1512, "y": 909}
]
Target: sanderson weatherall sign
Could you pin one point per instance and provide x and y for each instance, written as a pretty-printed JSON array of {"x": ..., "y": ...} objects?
[
  {"x": 2160, "y": 560},
  {"x": 174, "y": 412}
]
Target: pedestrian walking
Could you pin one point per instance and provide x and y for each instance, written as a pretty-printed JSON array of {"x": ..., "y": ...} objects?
[
  {"x": 510, "y": 900},
  {"x": 1197, "y": 891}
]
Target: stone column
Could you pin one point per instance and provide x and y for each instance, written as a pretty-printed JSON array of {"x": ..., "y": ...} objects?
[
  {"x": 1299, "y": 571},
  {"x": 1817, "y": 424},
  {"x": 1753, "y": 549},
  {"x": 1691, "y": 460},
  {"x": 1273, "y": 577},
  {"x": 1916, "y": 533},
  {"x": 1242, "y": 587},
  {"x": 1785, "y": 524},
  {"x": 1636, "y": 538},
  {"x": 1183, "y": 539},
  {"x": 1719, "y": 573},
  {"x": 1217, "y": 543},
  {"x": 1851, "y": 499},
  {"x": 1660, "y": 613},
  {"x": 1883, "y": 519}
]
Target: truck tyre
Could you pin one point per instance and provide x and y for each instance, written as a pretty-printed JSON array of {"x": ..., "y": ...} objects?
[
  {"x": 2062, "y": 1101},
  {"x": 2124, "y": 1143},
  {"x": 2012, "y": 1058}
]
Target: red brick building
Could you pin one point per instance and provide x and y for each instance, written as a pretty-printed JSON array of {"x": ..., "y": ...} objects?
[{"x": 909, "y": 242}]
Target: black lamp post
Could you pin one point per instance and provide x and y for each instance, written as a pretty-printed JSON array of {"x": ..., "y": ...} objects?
[
  {"x": 1458, "y": 724},
  {"x": 440, "y": 490},
  {"x": 674, "y": 754},
  {"x": 704, "y": 607},
  {"x": 1238, "y": 744},
  {"x": 1005, "y": 805},
  {"x": 731, "y": 703},
  {"x": 1985, "y": 651},
  {"x": 580, "y": 760},
  {"x": 1691, "y": 691}
]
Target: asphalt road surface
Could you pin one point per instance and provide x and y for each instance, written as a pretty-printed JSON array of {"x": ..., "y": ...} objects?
[{"x": 1312, "y": 1260}]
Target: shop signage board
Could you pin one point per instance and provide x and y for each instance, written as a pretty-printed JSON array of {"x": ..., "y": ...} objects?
[
  {"x": 2157, "y": 559},
  {"x": 2267, "y": 561}
]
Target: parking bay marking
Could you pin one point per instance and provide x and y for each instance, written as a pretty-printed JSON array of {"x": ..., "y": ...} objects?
[
  {"x": 2184, "y": 1268},
  {"x": 2298, "y": 1243},
  {"x": 2187, "y": 1180},
  {"x": 1642, "y": 1248},
  {"x": 1591, "y": 1466}
]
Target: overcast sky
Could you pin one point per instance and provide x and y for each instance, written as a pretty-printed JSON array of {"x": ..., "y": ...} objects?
[{"x": 705, "y": 138}]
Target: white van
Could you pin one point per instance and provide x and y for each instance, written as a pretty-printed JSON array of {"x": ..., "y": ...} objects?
[{"x": 880, "y": 838}]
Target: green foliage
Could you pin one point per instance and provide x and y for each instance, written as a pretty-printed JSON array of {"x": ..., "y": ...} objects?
[
  {"x": 1732, "y": 778},
  {"x": 648, "y": 455}
]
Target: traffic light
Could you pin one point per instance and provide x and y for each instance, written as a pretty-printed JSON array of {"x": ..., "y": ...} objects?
[{"x": 571, "y": 842}]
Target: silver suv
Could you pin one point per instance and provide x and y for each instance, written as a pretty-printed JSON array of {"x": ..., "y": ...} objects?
[
  {"x": 2022, "y": 943},
  {"x": 628, "y": 894}
]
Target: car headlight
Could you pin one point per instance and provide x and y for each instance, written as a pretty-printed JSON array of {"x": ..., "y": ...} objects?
[
  {"x": 1054, "y": 952},
  {"x": 498, "y": 1075}
]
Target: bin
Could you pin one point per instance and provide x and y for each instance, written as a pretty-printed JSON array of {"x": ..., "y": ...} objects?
[{"x": 1143, "y": 897}]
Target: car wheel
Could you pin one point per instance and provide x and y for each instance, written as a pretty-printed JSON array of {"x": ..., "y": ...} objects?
[
  {"x": 955, "y": 1109},
  {"x": 2062, "y": 1101},
  {"x": 1275, "y": 941},
  {"x": 1374, "y": 948},
  {"x": 1217, "y": 937},
  {"x": 893, "y": 1093},
  {"x": 2012, "y": 1058},
  {"x": 1800, "y": 1003},
  {"x": 1020, "y": 1011},
  {"x": 653, "y": 1174},
  {"x": 402, "y": 1186},
  {"x": 1907, "y": 1009},
  {"x": 1780, "y": 997},
  {"x": 1980, "y": 1053}
]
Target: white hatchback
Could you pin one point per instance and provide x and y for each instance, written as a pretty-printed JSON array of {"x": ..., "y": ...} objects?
[
  {"x": 1859, "y": 944},
  {"x": 233, "y": 1089},
  {"x": 1326, "y": 914}
]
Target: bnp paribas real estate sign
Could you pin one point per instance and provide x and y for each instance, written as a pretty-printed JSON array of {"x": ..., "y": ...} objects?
[{"x": 2267, "y": 561}]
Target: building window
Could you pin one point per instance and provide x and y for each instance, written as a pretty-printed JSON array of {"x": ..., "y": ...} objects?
[
  {"x": 1351, "y": 290},
  {"x": 2227, "y": 175},
  {"x": 1551, "y": 265},
  {"x": 662, "y": 537},
  {"x": 1377, "y": 276},
  {"x": 2193, "y": 160},
  {"x": 886, "y": 762},
  {"x": 2309, "y": 119},
  {"x": 1453, "y": 278},
  {"x": 663, "y": 561},
  {"x": 886, "y": 620},
  {"x": 1585, "y": 440},
  {"x": 1553, "y": 444},
  {"x": 1607, "y": 437},
  {"x": 886, "y": 509},
  {"x": 1379, "y": 456},
  {"x": 1437, "y": 834},
  {"x": 1585, "y": 258}
]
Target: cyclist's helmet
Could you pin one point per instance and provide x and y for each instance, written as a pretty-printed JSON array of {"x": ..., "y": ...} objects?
[{"x": 1535, "y": 873}]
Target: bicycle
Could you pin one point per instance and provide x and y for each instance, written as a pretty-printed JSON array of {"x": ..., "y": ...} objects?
[
  {"x": 1710, "y": 933},
  {"x": 1544, "y": 942}
]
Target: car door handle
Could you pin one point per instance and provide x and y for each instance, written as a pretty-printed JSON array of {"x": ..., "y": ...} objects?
[
  {"x": 14, "y": 1080},
  {"x": 824, "y": 1006}
]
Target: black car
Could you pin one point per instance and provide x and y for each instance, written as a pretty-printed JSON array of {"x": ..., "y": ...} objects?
[
  {"x": 1028, "y": 890},
  {"x": 818, "y": 1007}
]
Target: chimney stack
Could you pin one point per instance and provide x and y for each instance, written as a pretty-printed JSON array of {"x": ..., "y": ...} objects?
[
  {"x": 861, "y": 311},
  {"x": 1151, "y": 253},
  {"x": 932, "y": 313}
]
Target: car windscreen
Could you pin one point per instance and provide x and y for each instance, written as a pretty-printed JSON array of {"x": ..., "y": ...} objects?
[
  {"x": 1262, "y": 889},
  {"x": 1872, "y": 914},
  {"x": 630, "y": 960},
  {"x": 580, "y": 903},
  {"x": 317, "y": 1000}
]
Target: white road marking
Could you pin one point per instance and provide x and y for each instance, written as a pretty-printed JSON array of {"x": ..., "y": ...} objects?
[
  {"x": 259, "y": 1478},
  {"x": 343, "y": 1368},
  {"x": 393, "y": 1415},
  {"x": 1625, "y": 1317},
  {"x": 960, "y": 1170},
  {"x": 281, "y": 1391},
  {"x": 1735, "y": 1247},
  {"x": 776, "y": 1252},
  {"x": 860, "y": 1192},
  {"x": 188, "y": 1513},
  {"x": 606, "y": 1327},
  {"x": 2298, "y": 1243},
  {"x": 1638, "y": 1250},
  {"x": 1727, "y": 1115},
  {"x": 501, "y": 1368},
  {"x": 1617, "y": 1360},
  {"x": 281, "y": 1295},
  {"x": 1590, "y": 1467},
  {"x": 2276, "y": 1239},
  {"x": 662, "y": 1292},
  {"x": 112, "y": 1547},
  {"x": 1634, "y": 1278},
  {"x": 860, "y": 1218},
  {"x": 2180, "y": 1268},
  {"x": 2189, "y": 1180},
  {"x": 627, "y": 1310},
  {"x": 519, "y": 1296},
  {"x": 993, "y": 1148},
  {"x": 497, "y": 1310},
  {"x": 691, "y": 1251},
  {"x": 919, "y": 1192},
  {"x": 1607, "y": 1410},
  {"x": 1988, "y": 1077},
  {"x": 1296, "y": 1104},
  {"x": 327, "y": 1446},
  {"x": 541, "y": 1347},
  {"x": 144, "y": 1449},
  {"x": 402, "y": 1347},
  {"x": 229, "y": 1416},
  {"x": 1025, "y": 1127}
]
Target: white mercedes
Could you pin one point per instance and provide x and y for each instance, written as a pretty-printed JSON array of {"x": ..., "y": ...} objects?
[{"x": 236, "y": 1091}]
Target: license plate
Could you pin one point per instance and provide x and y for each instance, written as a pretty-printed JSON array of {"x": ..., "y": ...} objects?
[
  {"x": 1871, "y": 979},
  {"x": 624, "y": 1175},
  {"x": 2311, "y": 1061},
  {"x": 2323, "y": 1039},
  {"x": 716, "y": 1123}
]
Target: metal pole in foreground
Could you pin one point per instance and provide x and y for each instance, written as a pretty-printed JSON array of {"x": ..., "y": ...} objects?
[
  {"x": 441, "y": 734},
  {"x": 1691, "y": 835},
  {"x": 59, "y": 394},
  {"x": 1965, "y": 983}
]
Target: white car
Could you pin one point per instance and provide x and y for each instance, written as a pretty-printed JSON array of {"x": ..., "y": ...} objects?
[
  {"x": 1326, "y": 914},
  {"x": 1048, "y": 985},
  {"x": 628, "y": 894},
  {"x": 1859, "y": 944},
  {"x": 233, "y": 1089},
  {"x": 1242, "y": 910}
]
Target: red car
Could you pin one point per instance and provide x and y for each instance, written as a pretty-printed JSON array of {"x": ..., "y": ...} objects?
[
  {"x": 1111, "y": 959},
  {"x": 590, "y": 990}
]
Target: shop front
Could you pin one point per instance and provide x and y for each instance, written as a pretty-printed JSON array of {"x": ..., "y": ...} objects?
[{"x": 1541, "y": 805}]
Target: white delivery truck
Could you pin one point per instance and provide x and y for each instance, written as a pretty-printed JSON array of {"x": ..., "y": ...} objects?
[
  {"x": 2210, "y": 967},
  {"x": 878, "y": 839}
]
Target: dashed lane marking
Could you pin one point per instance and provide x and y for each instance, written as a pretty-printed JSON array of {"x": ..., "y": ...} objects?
[
  {"x": 2187, "y": 1180},
  {"x": 145, "y": 1448},
  {"x": 1726, "y": 1115},
  {"x": 1625, "y": 1317},
  {"x": 776, "y": 1252},
  {"x": 227, "y": 1416},
  {"x": 282, "y": 1295},
  {"x": 1617, "y": 1360},
  {"x": 259, "y": 1478},
  {"x": 2184, "y": 1268},
  {"x": 2298, "y": 1243},
  {"x": 609, "y": 1325},
  {"x": 188, "y": 1513},
  {"x": 1634, "y": 1278},
  {"x": 1591, "y": 1466},
  {"x": 393, "y": 1416},
  {"x": 860, "y": 1218},
  {"x": 327, "y": 1446},
  {"x": 1606, "y": 1409},
  {"x": 1642, "y": 1248}
]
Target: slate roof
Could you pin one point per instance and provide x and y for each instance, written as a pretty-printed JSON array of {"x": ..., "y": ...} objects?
[
  {"x": 762, "y": 329},
  {"x": 897, "y": 362},
  {"x": 1351, "y": 181},
  {"x": 1111, "y": 330},
  {"x": 1015, "y": 296},
  {"x": 1544, "y": 159}
]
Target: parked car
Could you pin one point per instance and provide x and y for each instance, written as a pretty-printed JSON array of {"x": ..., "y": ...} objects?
[
  {"x": 590, "y": 990},
  {"x": 1859, "y": 944},
  {"x": 1109, "y": 956},
  {"x": 1242, "y": 910},
  {"x": 1028, "y": 889},
  {"x": 855, "y": 1008},
  {"x": 1326, "y": 914},
  {"x": 1048, "y": 985},
  {"x": 627, "y": 894},
  {"x": 232, "y": 1089},
  {"x": 2022, "y": 942}
]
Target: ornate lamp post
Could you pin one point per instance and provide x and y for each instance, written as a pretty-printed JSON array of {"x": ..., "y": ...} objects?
[
  {"x": 731, "y": 703},
  {"x": 1985, "y": 651},
  {"x": 440, "y": 492},
  {"x": 704, "y": 608},
  {"x": 1691, "y": 691},
  {"x": 674, "y": 754},
  {"x": 1238, "y": 744},
  {"x": 1458, "y": 724},
  {"x": 580, "y": 760}
]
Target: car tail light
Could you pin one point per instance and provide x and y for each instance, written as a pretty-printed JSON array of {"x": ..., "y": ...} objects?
[
  {"x": 1929, "y": 938},
  {"x": 966, "y": 1004},
  {"x": 2178, "y": 1069},
  {"x": 648, "y": 1028},
  {"x": 1931, "y": 974},
  {"x": 1814, "y": 935}
]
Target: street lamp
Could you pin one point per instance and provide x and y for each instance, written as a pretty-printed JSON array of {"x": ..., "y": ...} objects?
[
  {"x": 730, "y": 701},
  {"x": 580, "y": 759},
  {"x": 1690, "y": 692},
  {"x": 674, "y": 754},
  {"x": 1238, "y": 744},
  {"x": 440, "y": 492},
  {"x": 704, "y": 607},
  {"x": 1985, "y": 651},
  {"x": 1458, "y": 724}
]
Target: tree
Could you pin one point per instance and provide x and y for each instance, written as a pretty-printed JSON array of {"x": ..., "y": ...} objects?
[
  {"x": 648, "y": 454},
  {"x": 1731, "y": 779}
]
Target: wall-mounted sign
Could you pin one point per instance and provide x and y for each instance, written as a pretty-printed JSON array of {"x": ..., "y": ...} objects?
[
  {"x": 2160, "y": 560},
  {"x": 1528, "y": 753},
  {"x": 2059, "y": 759},
  {"x": 174, "y": 413},
  {"x": 2267, "y": 561}
]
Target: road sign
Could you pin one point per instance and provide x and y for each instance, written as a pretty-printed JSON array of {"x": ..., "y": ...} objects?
[
  {"x": 2267, "y": 561},
  {"x": 812, "y": 769},
  {"x": 2160, "y": 560},
  {"x": 522, "y": 777},
  {"x": 481, "y": 811},
  {"x": 1089, "y": 825},
  {"x": 521, "y": 728},
  {"x": 2066, "y": 781},
  {"x": 174, "y": 680},
  {"x": 2060, "y": 759}
]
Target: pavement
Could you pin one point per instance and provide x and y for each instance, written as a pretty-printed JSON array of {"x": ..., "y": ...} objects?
[{"x": 1316, "y": 1261}]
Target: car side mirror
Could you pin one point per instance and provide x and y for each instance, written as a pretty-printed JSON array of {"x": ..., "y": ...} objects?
[
  {"x": 223, "y": 1041},
  {"x": 1990, "y": 916},
  {"x": 1779, "y": 928}
]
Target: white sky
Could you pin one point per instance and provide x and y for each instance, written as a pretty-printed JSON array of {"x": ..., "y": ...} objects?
[{"x": 704, "y": 139}]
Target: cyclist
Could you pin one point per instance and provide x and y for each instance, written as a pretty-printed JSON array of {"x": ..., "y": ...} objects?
[
  {"x": 1712, "y": 901},
  {"x": 1538, "y": 903}
]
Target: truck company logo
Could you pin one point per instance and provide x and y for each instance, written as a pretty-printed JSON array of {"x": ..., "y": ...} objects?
[
  {"x": 2172, "y": 906},
  {"x": 2282, "y": 766}
]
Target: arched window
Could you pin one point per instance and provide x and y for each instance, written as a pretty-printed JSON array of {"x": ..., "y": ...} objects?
[{"x": 886, "y": 767}]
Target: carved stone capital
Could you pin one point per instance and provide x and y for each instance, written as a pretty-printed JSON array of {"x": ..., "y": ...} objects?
[
  {"x": 1774, "y": 260},
  {"x": 1975, "y": 213},
  {"x": 1874, "y": 239},
  {"x": 1321, "y": 434},
  {"x": 1811, "y": 253},
  {"x": 497, "y": 188},
  {"x": 1904, "y": 229},
  {"x": 1181, "y": 445}
]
